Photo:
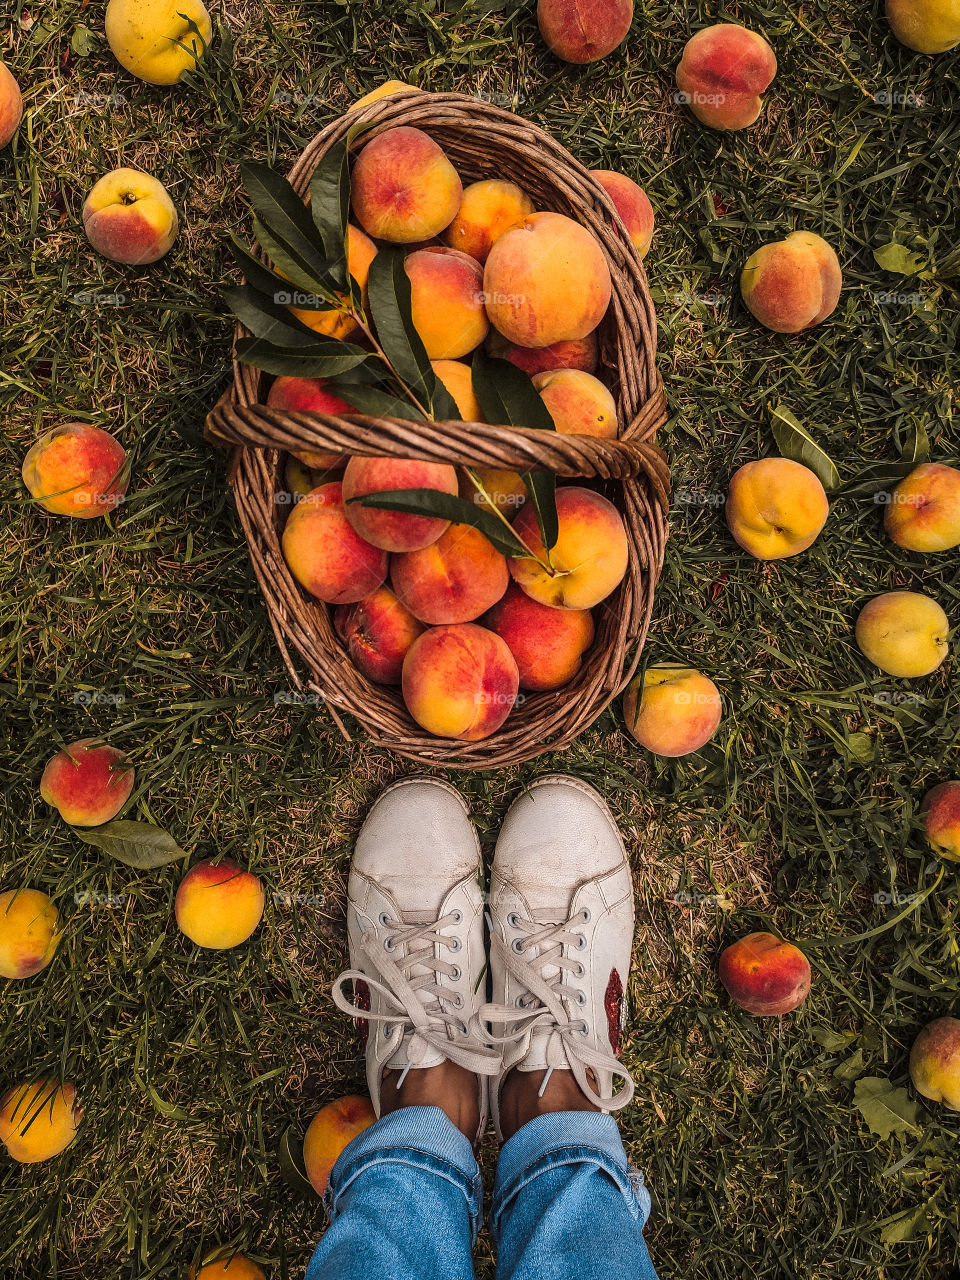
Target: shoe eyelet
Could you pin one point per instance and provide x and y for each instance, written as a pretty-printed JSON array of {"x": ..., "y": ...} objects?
[
  {"x": 520, "y": 1002},
  {"x": 581, "y": 943},
  {"x": 518, "y": 946},
  {"x": 579, "y": 971},
  {"x": 457, "y": 916},
  {"x": 586, "y": 915},
  {"x": 455, "y": 944},
  {"x": 584, "y": 1029},
  {"x": 457, "y": 1000},
  {"x": 457, "y": 973},
  {"x": 513, "y": 920},
  {"x": 388, "y": 944},
  {"x": 384, "y": 919},
  {"x": 581, "y": 998}
]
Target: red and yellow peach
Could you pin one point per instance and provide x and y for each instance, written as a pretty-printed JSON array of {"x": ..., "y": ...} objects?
[
  {"x": 765, "y": 975},
  {"x": 326, "y": 554},
  {"x": 446, "y": 301},
  {"x": 488, "y": 209},
  {"x": 935, "y": 1062},
  {"x": 129, "y": 218},
  {"x": 87, "y": 782},
  {"x": 455, "y": 579},
  {"x": 722, "y": 73},
  {"x": 589, "y": 558},
  {"x": 332, "y": 1129},
  {"x": 579, "y": 403},
  {"x": 11, "y": 105},
  {"x": 792, "y": 284},
  {"x": 76, "y": 470},
  {"x": 672, "y": 710},
  {"x": 631, "y": 203},
  {"x": 941, "y": 819},
  {"x": 547, "y": 644},
  {"x": 218, "y": 904},
  {"x": 378, "y": 631},
  {"x": 28, "y": 932},
  {"x": 924, "y": 510},
  {"x": 395, "y": 530},
  {"x": 309, "y": 395},
  {"x": 582, "y": 31},
  {"x": 460, "y": 681},
  {"x": 582, "y": 353},
  {"x": 404, "y": 189}
]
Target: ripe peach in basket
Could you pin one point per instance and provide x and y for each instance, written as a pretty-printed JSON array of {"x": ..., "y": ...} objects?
[
  {"x": 582, "y": 353},
  {"x": 765, "y": 975},
  {"x": 503, "y": 489},
  {"x": 672, "y": 710},
  {"x": 378, "y": 631},
  {"x": 590, "y": 556},
  {"x": 460, "y": 681},
  {"x": 722, "y": 73},
  {"x": 458, "y": 380},
  {"x": 446, "y": 301},
  {"x": 326, "y": 554},
  {"x": 76, "y": 470},
  {"x": 395, "y": 530},
  {"x": 330, "y": 1131},
  {"x": 87, "y": 782},
  {"x": 583, "y": 31},
  {"x": 631, "y": 203},
  {"x": 404, "y": 189},
  {"x": 579, "y": 403},
  {"x": 335, "y": 322},
  {"x": 455, "y": 579},
  {"x": 488, "y": 209},
  {"x": 309, "y": 395},
  {"x": 548, "y": 644}
]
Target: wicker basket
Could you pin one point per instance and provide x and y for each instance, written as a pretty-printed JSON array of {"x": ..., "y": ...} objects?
[{"x": 482, "y": 141}]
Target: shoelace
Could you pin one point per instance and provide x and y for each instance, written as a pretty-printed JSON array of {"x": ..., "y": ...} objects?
[
  {"x": 547, "y": 1011},
  {"x": 417, "y": 1004}
]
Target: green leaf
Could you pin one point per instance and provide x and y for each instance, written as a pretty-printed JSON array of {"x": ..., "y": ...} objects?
[
  {"x": 898, "y": 259},
  {"x": 83, "y": 42},
  {"x": 323, "y": 360},
  {"x": 310, "y": 278},
  {"x": 832, "y": 1041},
  {"x": 795, "y": 442},
  {"x": 446, "y": 506},
  {"x": 507, "y": 395},
  {"x": 850, "y": 1069},
  {"x": 916, "y": 447},
  {"x": 292, "y": 1167},
  {"x": 137, "y": 844},
  {"x": 861, "y": 747},
  {"x": 375, "y": 401},
  {"x": 330, "y": 201},
  {"x": 268, "y": 319},
  {"x": 261, "y": 278},
  {"x": 388, "y": 289},
  {"x": 286, "y": 221},
  {"x": 886, "y": 1110},
  {"x": 904, "y": 1226}
]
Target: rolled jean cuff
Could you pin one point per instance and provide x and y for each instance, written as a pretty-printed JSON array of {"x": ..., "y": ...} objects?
[
  {"x": 563, "y": 1138},
  {"x": 422, "y": 1138}
]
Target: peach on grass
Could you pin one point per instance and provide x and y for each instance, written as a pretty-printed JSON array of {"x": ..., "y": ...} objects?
[
  {"x": 487, "y": 210},
  {"x": 584, "y": 31},
  {"x": 546, "y": 281},
  {"x": 765, "y": 975},
  {"x": 581, "y": 353},
  {"x": 337, "y": 322},
  {"x": 455, "y": 579},
  {"x": 11, "y": 104},
  {"x": 218, "y": 904},
  {"x": 378, "y": 631},
  {"x": 446, "y": 301},
  {"x": 546, "y": 643},
  {"x": 39, "y": 1119},
  {"x": 792, "y": 284},
  {"x": 924, "y": 509},
  {"x": 332, "y": 1129},
  {"x": 458, "y": 380},
  {"x": 76, "y": 470},
  {"x": 588, "y": 560},
  {"x": 309, "y": 395},
  {"x": 672, "y": 710},
  {"x": 403, "y": 188},
  {"x": 904, "y": 633},
  {"x": 460, "y": 681},
  {"x": 28, "y": 932},
  {"x": 325, "y": 553},
  {"x": 579, "y": 403},
  {"x": 928, "y": 26},
  {"x": 154, "y": 39},
  {"x": 935, "y": 1062},
  {"x": 631, "y": 203},
  {"x": 776, "y": 508},
  {"x": 941, "y": 819},
  {"x": 129, "y": 218},
  {"x": 722, "y": 73},
  {"x": 395, "y": 530},
  {"x": 220, "y": 1264},
  {"x": 87, "y": 782}
]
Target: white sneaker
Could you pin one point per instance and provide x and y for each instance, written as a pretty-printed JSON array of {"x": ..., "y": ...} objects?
[
  {"x": 415, "y": 929},
  {"x": 561, "y": 903}
]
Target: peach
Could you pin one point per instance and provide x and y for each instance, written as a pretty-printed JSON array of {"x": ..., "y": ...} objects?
[
  {"x": 76, "y": 470},
  {"x": 337, "y": 322},
  {"x": 935, "y": 1062},
  {"x": 672, "y": 710},
  {"x": 928, "y": 26},
  {"x": 792, "y": 284},
  {"x": 446, "y": 301},
  {"x": 385, "y": 90},
  {"x": 332, "y": 1129},
  {"x": 378, "y": 631},
  {"x": 504, "y": 489},
  {"x": 904, "y": 633},
  {"x": 584, "y": 30},
  {"x": 546, "y": 643},
  {"x": 722, "y": 73},
  {"x": 39, "y": 1120},
  {"x": 154, "y": 40},
  {"x": 129, "y": 218},
  {"x": 582, "y": 353},
  {"x": 765, "y": 975},
  {"x": 395, "y": 530},
  {"x": 579, "y": 403},
  {"x": 488, "y": 209},
  {"x": 88, "y": 783},
  {"x": 776, "y": 508},
  {"x": 455, "y": 579},
  {"x": 325, "y": 553},
  {"x": 28, "y": 932},
  {"x": 941, "y": 819},
  {"x": 309, "y": 395},
  {"x": 924, "y": 512},
  {"x": 589, "y": 558},
  {"x": 404, "y": 188},
  {"x": 300, "y": 479},
  {"x": 546, "y": 281},
  {"x": 631, "y": 203},
  {"x": 221, "y": 1264},
  {"x": 219, "y": 905},
  {"x": 458, "y": 380},
  {"x": 11, "y": 105},
  {"x": 460, "y": 681}
]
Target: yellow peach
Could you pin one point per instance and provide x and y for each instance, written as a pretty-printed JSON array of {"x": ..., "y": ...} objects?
[
  {"x": 325, "y": 553},
  {"x": 928, "y": 26},
  {"x": 158, "y": 40},
  {"x": 579, "y": 403},
  {"x": 404, "y": 189},
  {"x": 776, "y": 508},
  {"x": 488, "y": 209},
  {"x": 446, "y": 301},
  {"x": 924, "y": 510},
  {"x": 11, "y": 105},
  {"x": 221, "y": 1264},
  {"x": 28, "y": 932},
  {"x": 337, "y": 322},
  {"x": 332, "y": 1129},
  {"x": 129, "y": 218},
  {"x": 935, "y": 1062},
  {"x": 39, "y": 1120},
  {"x": 385, "y": 90},
  {"x": 672, "y": 710},
  {"x": 458, "y": 380},
  {"x": 904, "y": 633},
  {"x": 589, "y": 558},
  {"x": 219, "y": 905}
]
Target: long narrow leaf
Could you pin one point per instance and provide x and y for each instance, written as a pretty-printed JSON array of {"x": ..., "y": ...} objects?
[
  {"x": 330, "y": 205},
  {"x": 309, "y": 274},
  {"x": 374, "y": 400},
  {"x": 324, "y": 360},
  {"x": 446, "y": 506},
  {"x": 388, "y": 288},
  {"x": 265, "y": 319},
  {"x": 796, "y": 443},
  {"x": 258, "y": 275},
  {"x": 287, "y": 219}
]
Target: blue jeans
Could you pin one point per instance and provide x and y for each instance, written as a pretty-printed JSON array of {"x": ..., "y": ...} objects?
[{"x": 405, "y": 1201}]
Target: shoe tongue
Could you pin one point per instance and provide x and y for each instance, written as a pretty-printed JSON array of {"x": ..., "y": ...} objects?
[{"x": 419, "y": 917}]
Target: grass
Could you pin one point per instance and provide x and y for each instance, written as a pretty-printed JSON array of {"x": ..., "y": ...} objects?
[{"x": 192, "y": 1065}]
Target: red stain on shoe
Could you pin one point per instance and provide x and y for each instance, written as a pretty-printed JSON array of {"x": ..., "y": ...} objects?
[
  {"x": 613, "y": 1006},
  {"x": 361, "y": 995}
]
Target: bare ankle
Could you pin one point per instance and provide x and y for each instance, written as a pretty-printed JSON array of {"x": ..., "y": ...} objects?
[
  {"x": 521, "y": 1100},
  {"x": 447, "y": 1086}
]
